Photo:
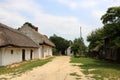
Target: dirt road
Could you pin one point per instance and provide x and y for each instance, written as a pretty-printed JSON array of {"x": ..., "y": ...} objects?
[{"x": 58, "y": 69}]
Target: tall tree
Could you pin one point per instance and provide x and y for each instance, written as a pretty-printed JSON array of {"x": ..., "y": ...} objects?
[{"x": 111, "y": 21}]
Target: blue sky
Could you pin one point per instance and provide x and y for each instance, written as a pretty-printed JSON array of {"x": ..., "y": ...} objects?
[{"x": 60, "y": 17}]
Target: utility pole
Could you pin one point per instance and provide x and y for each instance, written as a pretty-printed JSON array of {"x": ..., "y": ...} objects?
[{"x": 80, "y": 39}]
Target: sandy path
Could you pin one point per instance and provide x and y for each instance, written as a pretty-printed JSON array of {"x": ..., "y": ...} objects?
[{"x": 58, "y": 69}]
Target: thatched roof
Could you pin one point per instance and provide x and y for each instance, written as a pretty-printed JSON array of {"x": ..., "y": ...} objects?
[
  {"x": 12, "y": 37},
  {"x": 47, "y": 41},
  {"x": 37, "y": 37}
]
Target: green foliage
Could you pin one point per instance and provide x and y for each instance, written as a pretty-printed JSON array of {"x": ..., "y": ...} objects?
[
  {"x": 113, "y": 32},
  {"x": 100, "y": 69},
  {"x": 61, "y": 44},
  {"x": 95, "y": 38},
  {"x": 111, "y": 21},
  {"x": 112, "y": 15},
  {"x": 78, "y": 47}
]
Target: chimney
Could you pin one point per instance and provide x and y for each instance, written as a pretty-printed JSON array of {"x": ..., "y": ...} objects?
[{"x": 36, "y": 29}]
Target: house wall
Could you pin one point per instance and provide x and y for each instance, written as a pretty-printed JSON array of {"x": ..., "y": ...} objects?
[
  {"x": 9, "y": 57},
  {"x": 27, "y": 54},
  {"x": 36, "y": 54},
  {"x": 40, "y": 52},
  {"x": 47, "y": 51}
]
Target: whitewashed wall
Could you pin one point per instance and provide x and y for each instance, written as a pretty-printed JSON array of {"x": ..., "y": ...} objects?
[
  {"x": 47, "y": 51},
  {"x": 6, "y": 57},
  {"x": 40, "y": 52},
  {"x": 36, "y": 53},
  {"x": 68, "y": 52},
  {"x": 27, "y": 54}
]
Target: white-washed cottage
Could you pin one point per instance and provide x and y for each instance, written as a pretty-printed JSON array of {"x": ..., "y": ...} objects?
[
  {"x": 45, "y": 45},
  {"x": 69, "y": 52},
  {"x": 15, "y": 46}
]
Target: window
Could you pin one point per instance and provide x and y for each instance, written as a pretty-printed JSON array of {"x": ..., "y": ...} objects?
[{"x": 11, "y": 51}]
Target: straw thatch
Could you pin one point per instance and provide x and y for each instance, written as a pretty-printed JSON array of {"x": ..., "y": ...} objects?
[
  {"x": 47, "y": 41},
  {"x": 12, "y": 37},
  {"x": 35, "y": 36}
]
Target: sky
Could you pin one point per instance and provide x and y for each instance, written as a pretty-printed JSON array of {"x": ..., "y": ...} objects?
[{"x": 61, "y": 17}]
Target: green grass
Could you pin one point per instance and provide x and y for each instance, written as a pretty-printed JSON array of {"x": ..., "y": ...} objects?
[
  {"x": 74, "y": 74},
  {"x": 23, "y": 67},
  {"x": 102, "y": 69}
]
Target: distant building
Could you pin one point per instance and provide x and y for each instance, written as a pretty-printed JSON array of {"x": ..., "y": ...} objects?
[{"x": 69, "y": 52}]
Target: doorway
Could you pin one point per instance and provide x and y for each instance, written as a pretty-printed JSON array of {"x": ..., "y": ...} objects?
[
  {"x": 23, "y": 54},
  {"x": 31, "y": 54}
]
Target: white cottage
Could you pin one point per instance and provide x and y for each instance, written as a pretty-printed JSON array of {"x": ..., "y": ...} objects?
[
  {"x": 45, "y": 45},
  {"x": 69, "y": 52},
  {"x": 15, "y": 46}
]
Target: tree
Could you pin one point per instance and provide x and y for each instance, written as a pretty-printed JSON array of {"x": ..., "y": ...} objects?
[
  {"x": 112, "y": 15},
  {"x": 77, "y": 45},
  {"x": 111, "y": 21},
  {"x": 95, "y": 38},
  {"x": 60, "y": 43},
  {"x": 111, "y": 29}
]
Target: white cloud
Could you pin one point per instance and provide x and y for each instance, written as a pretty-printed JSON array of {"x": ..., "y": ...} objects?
[
  {"x": 69, "y": 3},
  {"x": 76, "y": 4},
  {"x": 88, "y": 3}
]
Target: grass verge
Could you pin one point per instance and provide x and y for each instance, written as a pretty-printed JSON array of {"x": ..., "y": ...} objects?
[
  {"x": 23, "y": 66},
  {"x": 100, "y": 69}
]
